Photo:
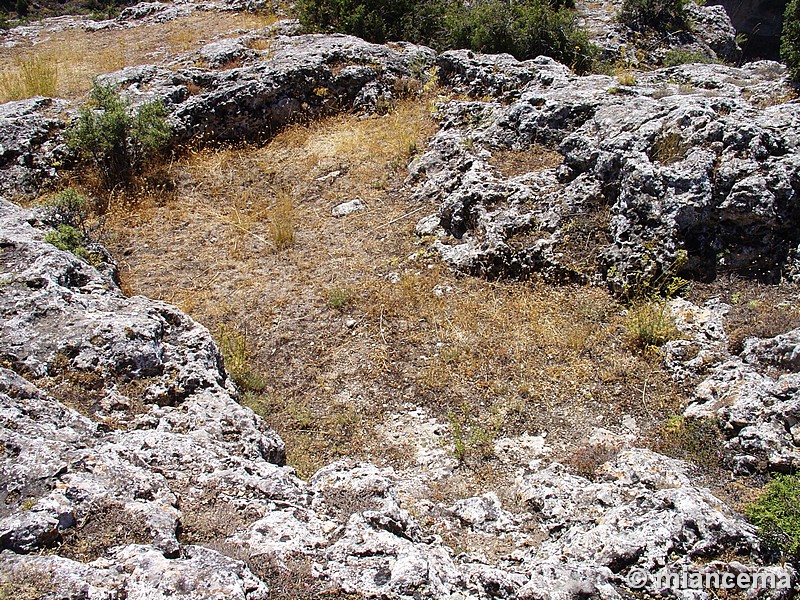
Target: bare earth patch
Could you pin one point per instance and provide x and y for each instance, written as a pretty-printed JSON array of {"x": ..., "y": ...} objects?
[{"x": 352, "y": 323}]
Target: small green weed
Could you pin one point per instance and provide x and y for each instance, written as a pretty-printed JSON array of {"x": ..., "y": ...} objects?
[
  {"x": 472, "y": 443},
  {"x": 777, "y": 514},
  {"x": 339, "y": 298}
]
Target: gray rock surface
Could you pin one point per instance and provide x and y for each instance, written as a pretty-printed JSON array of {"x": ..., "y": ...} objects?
[
  {"x": 710, "y": 33},
  {"x": 688, "y": 161},
  {"x": 756, "y": 398},
  {"x": 31, "y": 143}
]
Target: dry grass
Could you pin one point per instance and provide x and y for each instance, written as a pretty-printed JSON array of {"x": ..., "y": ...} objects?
[
  {"x": 33, "y": 76},
  {"x": 510, "y": 163},
  {"x": 27, "y": 582},
  {"x": 78, "y": 55},
  {"x": 502, "y": 358},
  {"x": 108, "y": 525}
]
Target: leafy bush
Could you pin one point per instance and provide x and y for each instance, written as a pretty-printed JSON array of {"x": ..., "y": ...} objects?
[
  {"x": 777, "y": 514},
  {"x": 68, "y": 207},
  {"x": 375, "y": 20},
  {"x": 115, "y": 141},
  {"x": 790, "y": 38},
  {"x": 524, "y": 28},
  {"x": 662, "y": 15},
  {"x": 70, "y": 239},
  {"x": 68, "y": 214}
]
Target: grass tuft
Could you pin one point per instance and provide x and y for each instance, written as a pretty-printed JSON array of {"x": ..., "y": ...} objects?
[
  {"x": 31, "y": 76},
  {"x": 281, "y": 227}
]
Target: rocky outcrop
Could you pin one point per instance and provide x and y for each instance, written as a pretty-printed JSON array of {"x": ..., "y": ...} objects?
[
  {"x": 127, "y": 458},
  {"x": 708, "y": 33},
  {"x": 243, "y": 94},
  {"x": 692, "y": 171},
  {"x": 31, "y": 142},
  {"x": 756, "y": 398}
]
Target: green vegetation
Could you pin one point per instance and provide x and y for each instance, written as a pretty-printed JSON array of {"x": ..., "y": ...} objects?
[
  {"x": 777, "y": 514},
  {"x": 790, "y": 38},
  {"x": 523, "y": 28},
  {"x": 472, "y": 442},
  {"x": 661, "y": 15},
  {"x": 338, "y": 298},
  {"x": 67, "y": 212},
  {"x": 117, "y": 143}
]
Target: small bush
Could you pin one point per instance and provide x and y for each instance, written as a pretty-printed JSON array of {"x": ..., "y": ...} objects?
[
  {"x": 67, "y": 212},
  {"x": 790, "y": 38},
  {"x": 234, "y": 348},
  {"x": 525, "y": 29},
  {"x": 777, "y": 514},
  {"x": 68, "y": 207},
  {"x": 661, "y": 15},
  {"x": 115, "y": 141},
  {"x": 338, "y": 298},
  {"x": 650, "y": 325}
]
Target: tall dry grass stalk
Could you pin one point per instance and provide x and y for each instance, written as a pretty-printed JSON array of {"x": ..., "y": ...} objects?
[
  {"x": 31, "y": 76},
  {"x": 281, "y": 227}
]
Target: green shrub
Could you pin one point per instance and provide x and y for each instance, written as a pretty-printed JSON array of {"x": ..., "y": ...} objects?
[
  {"x": 67, "y": 212},
  {"x": 115, "y": 141},
  {"x": 338, "y": 298},
  {"x": 790, "y": 38},
  {"x": 777, "y": 514},
  {"x": 68, "y": 207},
  {"x": 66, "y": 237},
  {"x": 661, "y": 15},
  {"x": 523, "y": 28}
]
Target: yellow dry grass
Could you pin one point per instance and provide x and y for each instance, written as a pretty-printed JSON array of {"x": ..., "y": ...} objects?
[
  {"x": 519, "y": 356},
  {"x": 77, "y": 55}
]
